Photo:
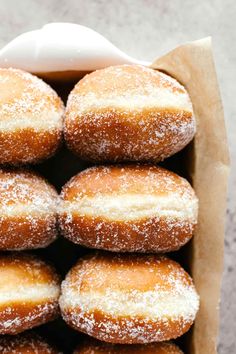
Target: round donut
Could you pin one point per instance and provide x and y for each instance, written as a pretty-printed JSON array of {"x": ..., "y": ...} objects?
[
  {"x": 91, "y": 346},
  {"x": 28, "y": 210},
  {"x": 128, "y": 208},
  {"x": 29, "y": 292},
  {"x": 129, "y": 299},
  {"x": 31, "y": 116},
  {"x": 25, "y": 344},
  {"x": 128, "y": 113}
]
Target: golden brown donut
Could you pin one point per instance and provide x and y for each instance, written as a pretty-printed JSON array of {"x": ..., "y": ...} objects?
[
  {"x": 25, "y": 344},
  {"x": 129, "y": 299},
  {"x": 29, "y": 292},
  {"x": 128, "y": 208},
  {"x": 91, "y": 346},
  {"x": 128, "y": 113},
  {"x": 30, "y": 118},
  {"x": 28, "y": 210}
]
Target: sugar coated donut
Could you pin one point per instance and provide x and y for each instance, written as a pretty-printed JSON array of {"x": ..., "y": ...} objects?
[
  {"x": 128, "y": 208},
  {"x": 128, "y": 113},
  {"x": 129, "y": 298},
  {"x": 29, "y": 291},
  {"x": 30, "y": 118},
  {"x": 28, "y": 210},
  {"x": 91, "y": 346},
  {"x": 25, "y": 344}
]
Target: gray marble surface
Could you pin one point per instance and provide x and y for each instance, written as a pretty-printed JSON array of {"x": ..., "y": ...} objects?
[{"x": 146, "y": 29}]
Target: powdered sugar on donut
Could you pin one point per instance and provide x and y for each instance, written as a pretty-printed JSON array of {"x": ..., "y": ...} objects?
[
  {"x": 31, "y": 118},
  {"x": 24, "y": 188},
  {"x": 128, "y": 112},
  {"x": 101, "y": 297},
  {"x": 32, "y": 104},
  {"x": 139, "y": 91},
  {"x": 28, "y": 208},
  {"x": 35, "y": 315},
  {"x": 29, "y": 291},
  {"x": 129, "y": 208}
]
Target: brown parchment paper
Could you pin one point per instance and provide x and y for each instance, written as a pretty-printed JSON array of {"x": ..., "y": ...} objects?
[{"x": 192, "y": 64}]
